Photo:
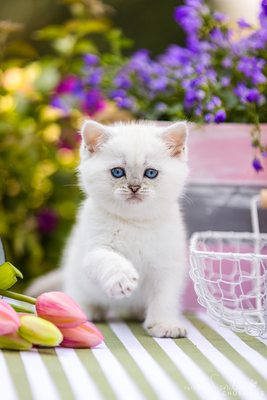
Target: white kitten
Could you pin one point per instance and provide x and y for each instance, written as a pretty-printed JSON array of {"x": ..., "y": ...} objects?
[{"x": 127, "y": 249}]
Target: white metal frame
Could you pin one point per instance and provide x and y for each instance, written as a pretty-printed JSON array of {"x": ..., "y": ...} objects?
[{"x": 252, "y": 320}]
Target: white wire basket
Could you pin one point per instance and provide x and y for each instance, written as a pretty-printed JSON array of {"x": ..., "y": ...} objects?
[{"x": 229, "y": 271}]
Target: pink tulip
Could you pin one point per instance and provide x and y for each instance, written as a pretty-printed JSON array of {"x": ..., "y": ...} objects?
[
  {"x": 9, "y": 320},
  {"x": 60, "y": 309},
  {"x": 85, "y": 335}
]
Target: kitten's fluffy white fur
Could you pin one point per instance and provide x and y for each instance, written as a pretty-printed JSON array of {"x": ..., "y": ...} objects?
[{"x": 127, "y": 250}]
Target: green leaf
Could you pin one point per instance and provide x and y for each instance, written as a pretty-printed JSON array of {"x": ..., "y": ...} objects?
[
  {"x": 21, "y": 309},
  {"x": 85, "y": 27},
  {"x": 84, "y": 46},
  {"x": 8, "y": 275},
  {"x": 50, "y": 32},
  {"x": 22, "y": 49}
]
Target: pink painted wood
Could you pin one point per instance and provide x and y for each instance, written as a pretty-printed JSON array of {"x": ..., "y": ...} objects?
[{"x": 223, "y": 154}]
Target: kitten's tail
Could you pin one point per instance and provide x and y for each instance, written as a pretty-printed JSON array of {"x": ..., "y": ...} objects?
[{"x": 50, "y": 282}]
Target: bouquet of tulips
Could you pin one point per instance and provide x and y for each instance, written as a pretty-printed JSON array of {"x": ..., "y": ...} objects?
[{"x": 58, "y": 320}]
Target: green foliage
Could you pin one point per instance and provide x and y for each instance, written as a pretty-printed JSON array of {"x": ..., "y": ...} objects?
[{"x": 39, "y": 146}]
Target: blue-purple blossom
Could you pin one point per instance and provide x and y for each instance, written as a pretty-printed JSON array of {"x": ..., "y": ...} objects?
[
  {"x": 161, "y": 106},
  {"x": 214, "y": 102},
  {"x": 252, "y": 68},
  {"x": 257, "y": 164},
  {"x": 220, "y": 17},
  {"x": 122, "y": 81},
  {"x": 241, "y": 91},
  {"x": 193, "y": 96},
  {"x": 194, "y": 3},
  {"x": 59, "y": 102},
  {"x": 91, "y": 59},
  {"x": 225, "y": 81},
  {"x": 264, "y": 6},
  {"x": 47, "y": 219},
  {"x": 253, "y": 95},
  {"x": 209, "y": 118},
  {"x": 246, "y": 94},
  {"x": 187, "y": 17},
  {"x": 242, "y": 23},
  {"x": 227, "y": 62},
  {"x": 159, "y": 83},
  {"x": 95, "y": 78},
  {"x": 219, "y": 116}
]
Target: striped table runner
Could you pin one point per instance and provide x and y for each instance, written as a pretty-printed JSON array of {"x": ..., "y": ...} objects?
[{"x": 212, "y": 363}]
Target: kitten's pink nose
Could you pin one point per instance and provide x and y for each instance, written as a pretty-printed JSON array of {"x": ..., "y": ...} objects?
[{"x": 134, "y": 189}]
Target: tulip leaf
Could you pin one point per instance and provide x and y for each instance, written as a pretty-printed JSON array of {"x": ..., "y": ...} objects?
[
  {"x": 8, "y": 275},
  {"x": 21, "y": 309}
]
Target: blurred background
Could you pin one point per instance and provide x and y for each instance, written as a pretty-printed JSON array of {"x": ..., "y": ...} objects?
[
  {"x": 43, "y": 45},
  {"x": 149, "y": 23}
]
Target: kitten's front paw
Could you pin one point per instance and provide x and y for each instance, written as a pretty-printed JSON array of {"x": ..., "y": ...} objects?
[
  {"x": 166, "y": 329},
  {"x": 122, "y": 283}
]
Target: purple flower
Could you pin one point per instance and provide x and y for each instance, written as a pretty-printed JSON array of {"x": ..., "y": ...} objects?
[
  {"x": 253, "y": 95},
  {"x": 264, "y": 6},
  {"x": 198, "y": 110},
  {"x": 47, "y": 219},
  {"x": 192, "y": 96},
  {"x": 59, "y": 102},
  {"x": 214, "y": 102},
  {"x": 241, "y": 91},
  {"x": 257, "y": 164},
  {"x": 122, "y": 81},
  {"x": 159, "y": 84},
  {"x": 251, "y": 67},
  {"x": 220, "y": 17},
  {"x": 261, "y": 100},
  {"x": 194, "y": 3},
  {"x": 119, "y": 93},
  {"x": 211, "y": 74},
  {"x": 227, "y": 62},
  {"x": 95, "y": 78},
  {"x": 219, "y": 116},
  {"x": 161, "y": 106},
  {"x": 67, "y": 85},
  {"x": 188, "y": 18},
  {"x": 91, "y": 59},
  {"x": 209, "y": 118},
  {"x": 225, "y": 81},
  {"x": 243, "y": 24},
  {"x": 93, "y": 101}
]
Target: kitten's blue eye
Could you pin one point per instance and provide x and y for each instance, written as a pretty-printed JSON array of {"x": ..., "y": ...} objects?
[
  {"x": 117, "y": 172},
  {"x": 151, "y": 173}
]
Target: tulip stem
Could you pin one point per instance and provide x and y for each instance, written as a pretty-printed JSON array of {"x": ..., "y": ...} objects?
[{"x": 17, "y": 296}]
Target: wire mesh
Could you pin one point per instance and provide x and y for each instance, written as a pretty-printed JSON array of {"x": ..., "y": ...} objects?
[{"x": 230, "y": 278}]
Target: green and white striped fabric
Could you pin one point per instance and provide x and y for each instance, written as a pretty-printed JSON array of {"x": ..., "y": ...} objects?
[{"x": 212, "y": 363}]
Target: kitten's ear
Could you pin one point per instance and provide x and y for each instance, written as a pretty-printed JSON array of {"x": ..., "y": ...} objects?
[
  {"x": 175, "y": 137},
  {"x": 94, "y": 135}
]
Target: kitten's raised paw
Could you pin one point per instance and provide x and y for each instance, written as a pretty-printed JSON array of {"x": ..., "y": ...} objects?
[
  {"x": 165, "y": 329},
  {"x": 122, "y": 283}
]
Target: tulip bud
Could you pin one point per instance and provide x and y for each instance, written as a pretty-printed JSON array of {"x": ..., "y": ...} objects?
[
  {"x": 39, "y": 331},
  {"x": 8, "y": 275},
  {"x": 61, "y": 309},
  {"x": 14, "y": 341},
  {"x": 85, "y": 335},
  {"x": 9, "y": 320}
]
